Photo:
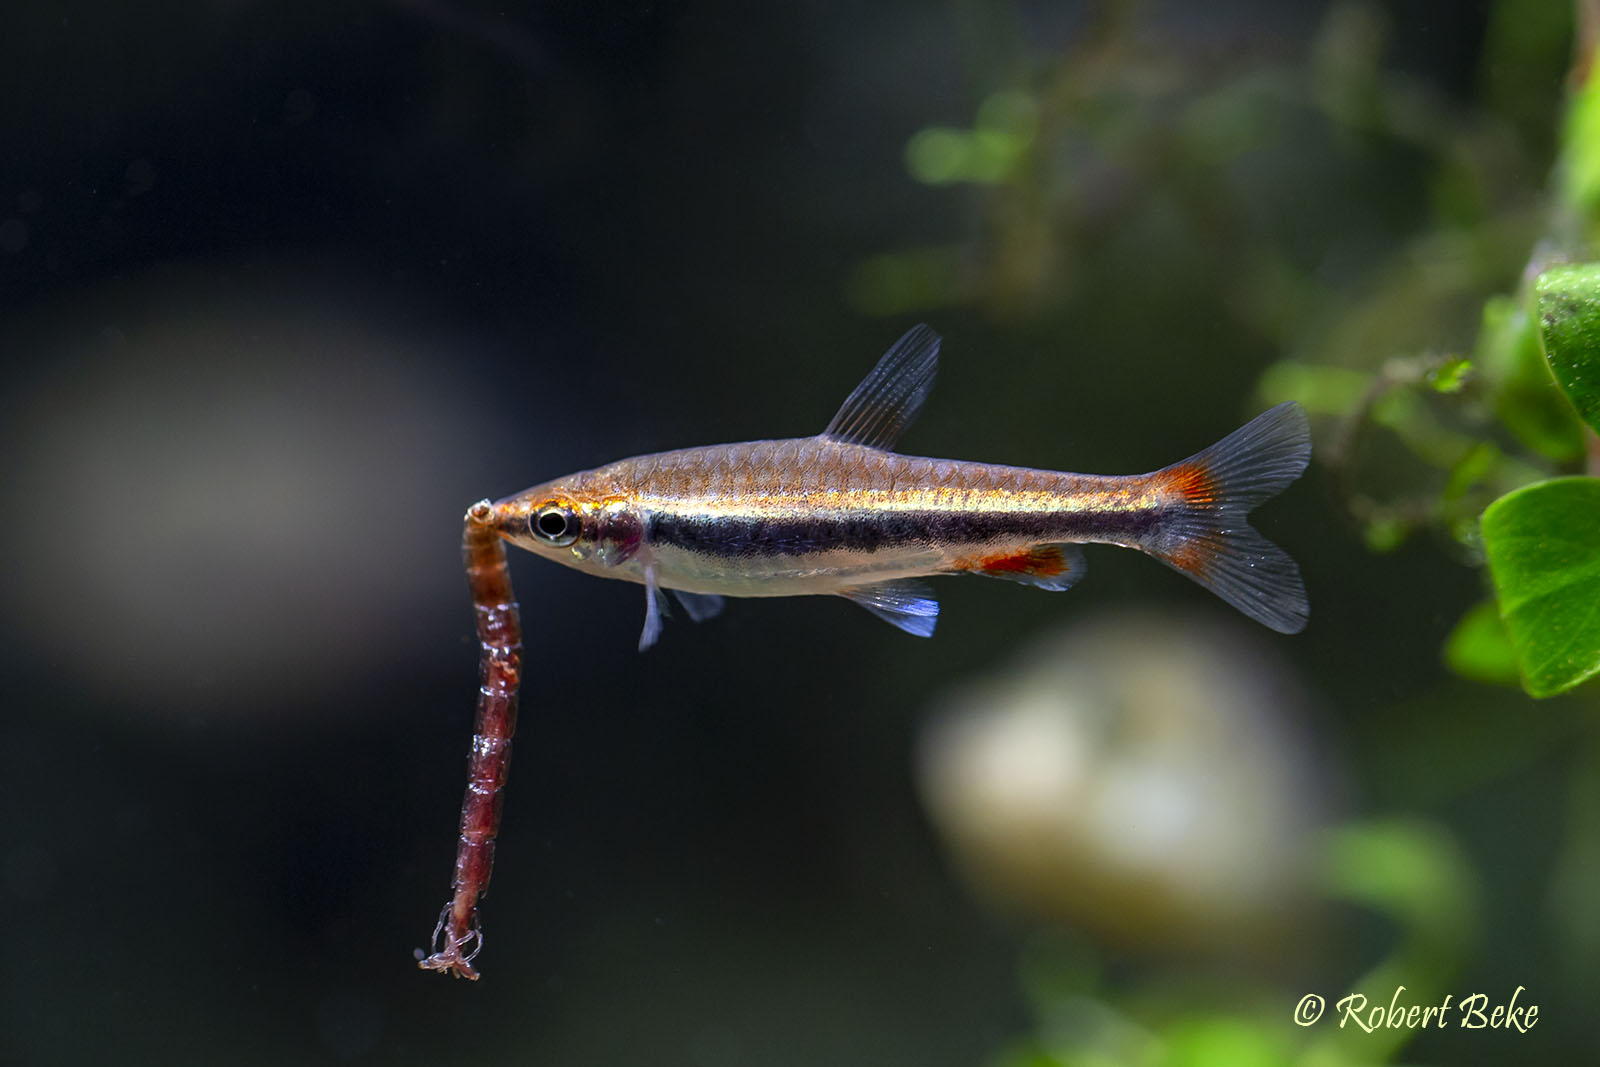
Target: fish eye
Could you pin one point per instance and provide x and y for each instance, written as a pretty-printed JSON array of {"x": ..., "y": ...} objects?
[{"x": 555, "y": 525}]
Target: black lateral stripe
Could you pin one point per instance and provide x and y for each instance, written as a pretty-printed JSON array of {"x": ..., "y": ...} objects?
[{"x": 740, "y": 537}]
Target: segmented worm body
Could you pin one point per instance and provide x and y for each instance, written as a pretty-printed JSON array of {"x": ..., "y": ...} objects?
[{"x": 459, "y": 935}]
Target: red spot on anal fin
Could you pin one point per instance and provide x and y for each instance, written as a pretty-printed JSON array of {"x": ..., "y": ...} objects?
[{"x": 1040, "y": 561}]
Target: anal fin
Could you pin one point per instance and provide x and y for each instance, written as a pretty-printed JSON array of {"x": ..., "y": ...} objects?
[
  {"x": 1050, "y": 566},
  {"x": 904, "y": 603}
]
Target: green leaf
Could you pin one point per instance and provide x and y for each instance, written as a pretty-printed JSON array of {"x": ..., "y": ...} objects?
[
  {"x": 1543, "y": 543},
  {"x": 1510, "y": 356},
  {"x": 1569, "y": 320},
  {"x": 1479, "y": 649}
]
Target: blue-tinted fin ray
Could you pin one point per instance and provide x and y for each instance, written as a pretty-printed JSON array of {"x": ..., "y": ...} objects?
[
  {"x": 904, "y": 603},
  {"x": 652, "y": 610}
]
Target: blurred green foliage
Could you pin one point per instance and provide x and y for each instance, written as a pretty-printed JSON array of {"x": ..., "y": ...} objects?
[
  {"x": 1449, "y": 382},
  {"x": 990, "y": 152},
  {"x": 1480, "y": 649},
  {"x": 1408, "y": 873},
  {"x": 1523, "y": 407},
  {"x": 1518, "y": 382},
  {"x": 1581, "y": 138},
  {"x": 1543, "y": 540},
  {"x": 1421, "y": 428}
]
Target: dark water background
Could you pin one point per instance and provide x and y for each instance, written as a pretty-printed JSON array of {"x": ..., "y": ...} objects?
[{"x": 286, "y": 286}]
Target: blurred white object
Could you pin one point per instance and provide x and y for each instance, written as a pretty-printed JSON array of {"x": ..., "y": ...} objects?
[
  {"x": 232, "y": 498},
  {"x": 1141, "y": 775}
]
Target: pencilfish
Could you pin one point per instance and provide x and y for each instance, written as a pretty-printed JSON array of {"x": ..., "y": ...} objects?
[{"x": 841, "y": 514}]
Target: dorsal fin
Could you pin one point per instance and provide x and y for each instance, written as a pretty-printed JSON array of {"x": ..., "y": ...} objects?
[{"x": 888, "y": 399}]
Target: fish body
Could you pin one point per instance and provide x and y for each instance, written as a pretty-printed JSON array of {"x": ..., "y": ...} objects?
[
  {"x": 839, "y": 513},
  {"x": 815, "y": 515}
]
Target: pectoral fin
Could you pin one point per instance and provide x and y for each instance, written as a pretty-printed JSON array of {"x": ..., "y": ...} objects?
[
  {"x": 652, "y": 610},
  {"x": 905, "y": 603}
]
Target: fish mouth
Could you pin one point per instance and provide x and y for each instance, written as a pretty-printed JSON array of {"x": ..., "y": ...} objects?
[{"x": 508, "y": 518}]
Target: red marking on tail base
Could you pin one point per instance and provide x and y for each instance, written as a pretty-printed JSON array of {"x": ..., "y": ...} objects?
[
  {"x": 1190, "y": 488},
  {"x": 1204, "y": 532}
]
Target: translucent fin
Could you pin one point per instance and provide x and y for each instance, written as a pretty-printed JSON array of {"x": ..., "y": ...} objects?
[
  {"x": 888, "y": 399},
  {"x": 1205, "y": 536},
  {"x": 652, "y": 610},
  {"x": 699, "y": 606},
  {"x": 905, "y": 603},
  {"x": 1055, "y": 567}
]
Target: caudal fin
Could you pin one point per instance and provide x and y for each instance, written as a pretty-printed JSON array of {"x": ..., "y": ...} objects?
[{"x": 1203, "y": 532}]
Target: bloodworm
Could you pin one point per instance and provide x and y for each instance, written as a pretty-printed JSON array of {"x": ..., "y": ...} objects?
[{"x": 499, "y": 673}]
